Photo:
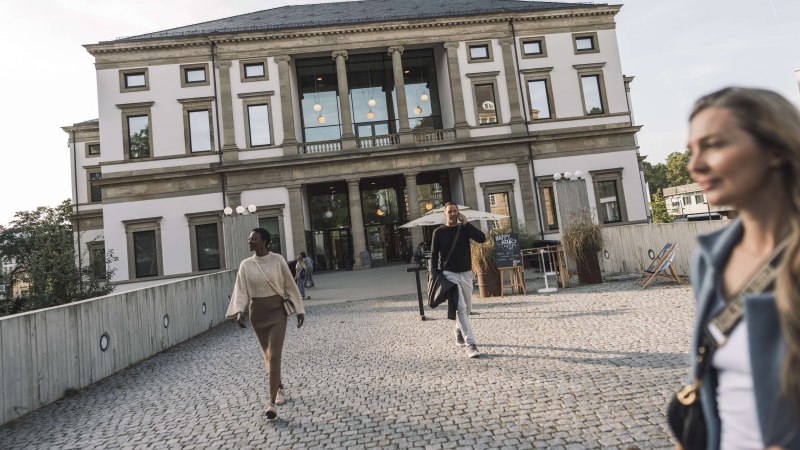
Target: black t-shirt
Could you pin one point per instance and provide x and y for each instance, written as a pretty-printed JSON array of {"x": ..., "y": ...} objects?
[{"x": 461, "y": 259}]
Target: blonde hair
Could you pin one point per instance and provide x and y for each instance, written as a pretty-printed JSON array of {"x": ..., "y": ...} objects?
[
  {"x": 300, "y": 263},
  {"x": 775, "y": 124}
]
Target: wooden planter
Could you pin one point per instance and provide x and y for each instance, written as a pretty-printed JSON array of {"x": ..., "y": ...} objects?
[
  {"x": 489, "y": 284},
  {"x": 588, "y": 266}
]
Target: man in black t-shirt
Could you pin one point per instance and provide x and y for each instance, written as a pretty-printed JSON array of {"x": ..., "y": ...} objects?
[{"x": 458, "y": 268}]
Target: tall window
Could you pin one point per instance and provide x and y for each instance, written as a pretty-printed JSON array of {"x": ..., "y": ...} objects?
[
  {"x": 200, "y": 130},
  {"x": 144, "y": 247},
  {"x": 95, "y": 193},
  {"x": 319, "y": 99},
  {"x": 273, "y": 225},
  {"x": 592, "y": 94},
  {"x": 138, "y": 137},
  {"x": 499, "y": 199},
  {"x": 486, "y": 104},
  {"x": 549, "y": 206},
  {"x": 539, "y": 94},
  {"x": 609, "y": 205},
  {"x": 499, "y": 204},
  {"x": 206, "y": 241},
  {"x": 97, "y": 259},
  {"x": 258, "y": 121}
]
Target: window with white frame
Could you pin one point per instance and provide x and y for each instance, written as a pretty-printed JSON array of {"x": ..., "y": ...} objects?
[
  {"x": 699, "y": 199},
  {"x": 609, "y": 195}
]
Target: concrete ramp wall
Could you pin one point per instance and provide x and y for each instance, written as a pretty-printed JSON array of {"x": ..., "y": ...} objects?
[{"x": 45, "y": 353}]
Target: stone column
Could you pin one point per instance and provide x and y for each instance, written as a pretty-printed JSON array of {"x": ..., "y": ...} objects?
[
  {"x": 461, "y": 125},
  {"x": 348, "y": 138},
  {"x": 517, "y": 120},
  {"x": 287, "y": 105},
  {"x": 529, "y": 196},
  {"x": 413, "y": 205},
  {"x": 230, "y": 152},
  {"x": 468, "y": 183},
  {"x": 357, "y": 226},
  {"x": 298, "y": 225},
  {"x": 404, "y": 132}
]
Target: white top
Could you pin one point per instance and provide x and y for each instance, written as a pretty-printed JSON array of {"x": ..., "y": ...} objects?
[
  {"x": 736, "y": 401},
  {"x": 250, "y": 282}
]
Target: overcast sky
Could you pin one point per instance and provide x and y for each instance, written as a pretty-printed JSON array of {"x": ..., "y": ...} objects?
[{"x": 677, "y": 50}]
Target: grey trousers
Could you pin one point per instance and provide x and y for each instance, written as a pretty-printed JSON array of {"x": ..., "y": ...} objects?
[{"x": 464, "y": 282}]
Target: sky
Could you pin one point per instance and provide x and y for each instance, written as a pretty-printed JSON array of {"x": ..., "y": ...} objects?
[{"x": 677, "y": 50}]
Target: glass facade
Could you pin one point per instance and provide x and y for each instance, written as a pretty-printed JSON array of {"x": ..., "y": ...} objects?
[
  {"x": 319, "y": 99},
  {"x": 422, "y": 91}
]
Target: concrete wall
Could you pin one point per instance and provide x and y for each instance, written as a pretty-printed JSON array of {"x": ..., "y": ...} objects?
[
  {"x": 44, "y": 353},
  {"x": 628, "y": 246}
]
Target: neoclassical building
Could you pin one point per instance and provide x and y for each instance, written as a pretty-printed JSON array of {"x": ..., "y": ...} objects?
[{"x": 339, "y": 122}]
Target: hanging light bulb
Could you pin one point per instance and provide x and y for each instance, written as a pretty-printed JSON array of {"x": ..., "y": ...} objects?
[
  {"x": 370, "y": 115},
  {"x": 317, "y": 107},
  {"x": 424, "y": 97},
  {"x": 418, "y": 110},
  {"x": 371, "y": 102},
  {"x": 384, "y": 208},
  {"x": 328, "y": 214},
  {"x": 379, "y": 212},
  {"x": 321, "y": 119},
  {"x": 429, "y": 206}
]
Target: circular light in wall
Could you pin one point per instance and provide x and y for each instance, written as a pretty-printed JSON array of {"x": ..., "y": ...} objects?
[
  {"x": 556, "y": 176},
  {"x": 417, "y": 110},
  {"x": 424, "y": 97},
  {"x": 228, "y": 210},
  {"x": 105, "y": 339},
  {"x": 251, "y": 208},
  {"x": 203, "y": 308},
  {"x": 370, "y": 115},
  {"x": 317, "y": 107},
  {"x": 321, "y": 119},
  {"x": 166, "y": 320},
  {"x": 328, "y": 214},
  {"x": 371, "y": 102},
  {"x": 605, "y": 254},
  {"x": 651, "y": 254},
  {"x": 429, "y": 206},
  {"x": 240, "y": 209}
]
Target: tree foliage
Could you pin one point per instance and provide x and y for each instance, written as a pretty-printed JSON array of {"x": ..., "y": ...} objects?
[
  {"x": 670, "y": 173},
  {"x": 40, "y": 242},
  {"x": 659, "y": 208}
]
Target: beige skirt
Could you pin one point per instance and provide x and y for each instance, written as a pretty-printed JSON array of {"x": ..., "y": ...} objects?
[{"x": 268, "y": 318}]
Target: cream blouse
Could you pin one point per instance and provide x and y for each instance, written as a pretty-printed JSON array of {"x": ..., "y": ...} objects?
[{"x": 250, "y": 283}]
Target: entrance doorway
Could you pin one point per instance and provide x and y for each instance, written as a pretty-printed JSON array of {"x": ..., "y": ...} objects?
[
  {"x": 332, "y": 240},
  {"x": 333, "y": 250}
]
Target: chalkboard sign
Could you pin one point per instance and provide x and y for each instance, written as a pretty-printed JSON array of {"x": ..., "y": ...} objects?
[{"x": 506, "y": 250}]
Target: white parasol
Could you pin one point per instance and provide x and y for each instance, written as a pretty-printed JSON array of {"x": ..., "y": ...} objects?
[{"x": 436, "y": 217}]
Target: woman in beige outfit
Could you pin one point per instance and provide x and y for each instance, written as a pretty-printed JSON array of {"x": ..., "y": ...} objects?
[{"x": 261, "y": 283}]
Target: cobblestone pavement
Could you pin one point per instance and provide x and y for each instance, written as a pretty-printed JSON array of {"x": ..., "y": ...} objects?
[{"x": 583, "y": 368}]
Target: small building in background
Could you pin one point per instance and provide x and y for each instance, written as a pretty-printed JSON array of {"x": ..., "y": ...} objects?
[{"x": 688, "y": 201}]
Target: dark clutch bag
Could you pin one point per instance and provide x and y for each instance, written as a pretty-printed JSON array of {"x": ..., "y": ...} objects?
[{"x": 685, "y": 418}]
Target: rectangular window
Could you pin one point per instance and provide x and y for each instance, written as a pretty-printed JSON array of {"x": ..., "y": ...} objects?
[
  {"x": 254, "y": 70},
  {"x": 92, "y": 149},
  {"x": 97, "y": 259},
  {"x": 145, "y": 253},
  {"x": 200, "y": 130},
  {"x": 194, "y": 75},
  {"x": 479, "y": 52},
  {"x": 499, "y": 204},
  {"x": 584, "y": 43},
  {"x": 609, "y": 202},
  {"x": 549, "y": 204},
  {"x": 699, "y": 199},
  {"x": 533, "y": 47},
  {"x": 135, "y": 80},
  {"x": 687, "y": 199},
  {"x": 95, "y": 193},
  {"x": 138, "y": 137},
  {"x": 208, "y": 253},
  {"x": 592, "y": 94},
  {"x": 485, "y": 103},
  {"x": 258, "y": 120},
  {"x": 272, "y": 225},
  {"x": 540, "y": 99}
]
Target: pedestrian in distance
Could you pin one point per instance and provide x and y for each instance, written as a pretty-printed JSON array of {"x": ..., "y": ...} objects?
[
  {"x": 300, "y": 276},
  {"x": 262, "y": 283},
  {"x": 309, "y": 261},
  {"x": 744, "y": 151},
  {"x": 452, "y": 239}
]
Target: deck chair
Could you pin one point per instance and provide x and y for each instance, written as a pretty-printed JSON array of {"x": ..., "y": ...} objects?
[{"x": 661, "y": 266}]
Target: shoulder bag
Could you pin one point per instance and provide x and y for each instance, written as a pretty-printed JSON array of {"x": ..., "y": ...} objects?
[
  {"x": 288, "y": 304},
  {"x": 685, "y": 411},
  {"x": 433, "y": 301}
]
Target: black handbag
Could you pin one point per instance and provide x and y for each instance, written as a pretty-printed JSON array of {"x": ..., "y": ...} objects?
[
  {"x": 685, "y": 410},
  {"x": 436, "y": 273}
]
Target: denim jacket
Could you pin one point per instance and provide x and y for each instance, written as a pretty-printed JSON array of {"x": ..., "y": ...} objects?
[{"x": 767, "y": 347}]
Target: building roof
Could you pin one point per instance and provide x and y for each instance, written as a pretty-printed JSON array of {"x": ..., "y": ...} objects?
[{"x": 354, "y": 12}]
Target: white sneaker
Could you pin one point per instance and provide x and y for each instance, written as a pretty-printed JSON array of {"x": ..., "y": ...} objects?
[
  {"x": 279, "y": 397},
  {"x": 473, "y": 352}
]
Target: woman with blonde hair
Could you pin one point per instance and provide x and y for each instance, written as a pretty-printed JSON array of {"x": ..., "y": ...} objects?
[
  {"x": 300, "y": 274},
  {"x": 262, "y": 284},
  {"x": 744, "y": 150}
]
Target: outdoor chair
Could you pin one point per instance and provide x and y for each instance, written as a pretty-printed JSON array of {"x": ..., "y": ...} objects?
[{"x": 661, "y": 266}]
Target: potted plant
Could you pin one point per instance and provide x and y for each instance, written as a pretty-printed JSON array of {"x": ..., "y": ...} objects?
[
  {"x": 582, "y": 239},
  {"x": 484, "y": 267}
]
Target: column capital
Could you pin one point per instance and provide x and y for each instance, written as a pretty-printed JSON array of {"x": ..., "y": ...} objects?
[
  {"x": 467, "y": 170},
  {"x": 450, "y": 45},
  {"x": 395, "y": 48},
  {"x": 294, "y": 187},
  {"x": 336, "y": 54},
  {"x": 505, "y": 41},
  {"x": 353, "y": 181},
  {"x": 410, "y": 174},
  {"x": 223, "y": 64},
  {"x": 283, "y": 58}
]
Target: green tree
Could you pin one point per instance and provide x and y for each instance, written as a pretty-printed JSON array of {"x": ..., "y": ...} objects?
[
  {"x": 655, "y": 175},
  {"x": 676, "y": 171},
  {"x": 659, "y": 208},
  {"x": 40, "y": 242}
]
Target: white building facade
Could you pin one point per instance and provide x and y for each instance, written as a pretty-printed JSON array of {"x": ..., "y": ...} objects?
[{"x": 339, "y": 131}]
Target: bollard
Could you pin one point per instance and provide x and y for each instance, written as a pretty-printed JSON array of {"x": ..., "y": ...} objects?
[{"x": 417, "y": 270}]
